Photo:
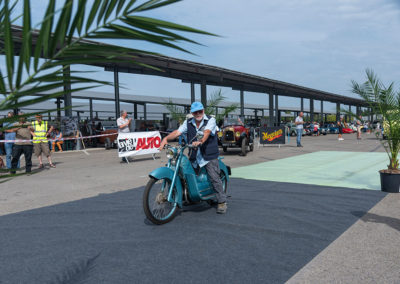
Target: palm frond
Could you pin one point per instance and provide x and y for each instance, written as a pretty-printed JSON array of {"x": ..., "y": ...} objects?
[
  {"x": 384, "y": 101},
  {"x": 62, "y": 40}
]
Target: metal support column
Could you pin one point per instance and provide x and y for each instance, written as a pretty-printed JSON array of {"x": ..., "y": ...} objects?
[
  {"x": 204, "y": 93},
  {"x": 302, "y": 105},
  {"x": 349, "y": 114},
  {"x": 116, "y": 92},
  {"x": 58, "y": 103},
  {"x": 277, "y": 114},
  {"x": 337, "y": 111},
  {"x": 242, "y": 105},
  {"x": 322, "y": 112},
  {"x": 271, "y": 110},
  {"x": 192, "y": 93},
  {"x": 371, "y": 116},
  {"x": 311, "y": 110},
  {"x": 135, "y": 111},
  {"x": 91, "y": 109},
  {"x": 144, "y": 112},
  {"x": 67, "y": 91}
]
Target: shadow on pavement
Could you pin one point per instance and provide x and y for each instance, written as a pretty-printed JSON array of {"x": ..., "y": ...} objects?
[{"x": 375, "y": 218}]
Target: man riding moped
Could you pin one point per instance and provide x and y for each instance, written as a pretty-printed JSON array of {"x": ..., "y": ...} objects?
[{"x": 207, "y": 152}]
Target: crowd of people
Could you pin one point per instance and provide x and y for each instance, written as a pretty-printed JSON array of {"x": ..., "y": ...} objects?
[
  {"x": 341, "y": 124},
  {"x": 29, "y": 139}
]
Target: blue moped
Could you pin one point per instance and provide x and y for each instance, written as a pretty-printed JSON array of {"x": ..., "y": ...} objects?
[{"x": 177, "y": 184}]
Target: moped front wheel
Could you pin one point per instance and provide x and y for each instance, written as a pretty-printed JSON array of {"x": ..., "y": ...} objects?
[{"x": 156, "y": 206}]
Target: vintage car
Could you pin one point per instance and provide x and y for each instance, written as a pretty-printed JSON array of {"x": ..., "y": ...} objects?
[
  {"x": 292, "y": 129},
  {"x": 108, "y": 141},
  {"x": 234, "y": 134}
]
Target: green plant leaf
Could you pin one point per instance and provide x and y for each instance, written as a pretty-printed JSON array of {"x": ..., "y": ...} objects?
[
  {"x": 110, "y": 9},
  {"x": 42, "y": 43},
  {"x": 8, "y": 45},
  {"x": 92, "y": 14},
  {"x": 78, "y": 20},
  {"x": 60, "y": 33}
]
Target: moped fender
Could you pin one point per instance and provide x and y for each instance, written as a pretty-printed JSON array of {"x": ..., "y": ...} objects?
[{"x": 168, "y": 173}]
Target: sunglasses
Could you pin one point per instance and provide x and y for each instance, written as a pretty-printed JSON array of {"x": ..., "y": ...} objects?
[{"x": 198, "y": 112}]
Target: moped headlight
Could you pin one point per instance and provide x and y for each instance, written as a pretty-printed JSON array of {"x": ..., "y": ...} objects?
[
  {"x": 220, "y": 134},
  {"x": 237, "y": 134},
  {"x": 171, "y": 153}
]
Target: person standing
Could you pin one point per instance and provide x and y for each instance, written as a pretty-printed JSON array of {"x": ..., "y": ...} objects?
[
  {"x": 340, "y": 125},
  {"x": 358, "y": 124},
  {"x": 299, "y": 128},
  {"x": 9, "y": 135},
  {"x": 124, "y": 124},
  {"x": 40, "y": 142},
  {"x": 206, "y": 152},
  {"x": 23, "y": 131}
]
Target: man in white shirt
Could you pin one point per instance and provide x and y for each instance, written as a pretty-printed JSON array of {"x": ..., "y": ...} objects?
[
  {"x": 299, "y": 128},
  {"x": 124, "y": 124}
]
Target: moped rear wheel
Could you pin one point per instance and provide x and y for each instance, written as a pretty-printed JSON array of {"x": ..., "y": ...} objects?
[{"x": 155, "y": 201}]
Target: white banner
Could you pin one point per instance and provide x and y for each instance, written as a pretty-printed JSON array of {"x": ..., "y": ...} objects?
[{"x": 138, "y": 143}]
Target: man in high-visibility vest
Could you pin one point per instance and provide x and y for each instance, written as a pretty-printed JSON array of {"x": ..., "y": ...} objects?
[{"x": 40, "y": 142}]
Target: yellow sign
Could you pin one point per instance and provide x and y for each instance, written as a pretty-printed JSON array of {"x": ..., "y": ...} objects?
[{"x": 272, "y": 136}]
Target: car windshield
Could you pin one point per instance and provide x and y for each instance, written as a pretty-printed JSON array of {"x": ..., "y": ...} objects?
[{"x": 232, "y": 121}]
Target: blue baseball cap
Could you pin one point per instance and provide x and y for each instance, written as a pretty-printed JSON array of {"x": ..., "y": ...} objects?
[{"x": 196, "y": 106}]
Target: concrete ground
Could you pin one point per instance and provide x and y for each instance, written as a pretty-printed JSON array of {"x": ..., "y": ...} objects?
[{"x": 366, "y": 253}]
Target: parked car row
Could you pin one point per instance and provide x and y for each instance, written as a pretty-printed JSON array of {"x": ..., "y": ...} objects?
[{"x": 328, "y": 128}]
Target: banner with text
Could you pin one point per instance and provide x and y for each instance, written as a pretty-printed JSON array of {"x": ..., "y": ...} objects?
[
  {"x": 138, "y": 143},
  {"x": 272, "y": 135}
]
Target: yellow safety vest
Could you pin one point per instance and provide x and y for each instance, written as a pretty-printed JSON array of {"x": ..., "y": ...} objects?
[{"x": 40, "y": 132}]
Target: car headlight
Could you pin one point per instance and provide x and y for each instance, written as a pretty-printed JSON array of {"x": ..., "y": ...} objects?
[
  {"x": 171, "y": 153},
  {"x": 237, "y": 134}
]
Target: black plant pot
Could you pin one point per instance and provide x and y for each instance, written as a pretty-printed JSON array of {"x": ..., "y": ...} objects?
[{"x": 390, "y": 182}]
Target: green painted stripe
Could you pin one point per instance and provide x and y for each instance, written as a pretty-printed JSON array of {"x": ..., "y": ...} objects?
[{"x": 327, "y": 168}]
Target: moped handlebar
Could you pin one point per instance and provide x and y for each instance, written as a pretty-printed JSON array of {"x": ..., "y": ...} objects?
[{"x": 190, "y": 146}]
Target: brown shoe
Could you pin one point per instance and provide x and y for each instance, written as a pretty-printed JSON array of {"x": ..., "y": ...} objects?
[
  {"x": 222, "y": 207},
  {"x": 41, "y": 166},
  {"x": 52, "y": 166}
]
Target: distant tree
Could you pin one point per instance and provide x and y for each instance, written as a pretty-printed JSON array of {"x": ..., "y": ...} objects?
[{"x": 178, "y": 112}]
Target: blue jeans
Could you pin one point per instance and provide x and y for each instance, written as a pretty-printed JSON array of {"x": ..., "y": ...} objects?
[
  {"x": 299, "y": 134},
  {"x": 9, "y": 148}
]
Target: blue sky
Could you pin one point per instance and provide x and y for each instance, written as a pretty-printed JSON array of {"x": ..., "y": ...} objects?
[{"x": 313, "y": 43}]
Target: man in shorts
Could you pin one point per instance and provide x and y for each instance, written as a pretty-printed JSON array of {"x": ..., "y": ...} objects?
[{"x": 40, "y": 142}]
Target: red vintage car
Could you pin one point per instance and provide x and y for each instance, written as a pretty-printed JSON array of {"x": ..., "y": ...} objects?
[
  {"x": 234, "y": 134},
  {"x": 348, "y": 130},
  {"x": 109, "y": 141}
]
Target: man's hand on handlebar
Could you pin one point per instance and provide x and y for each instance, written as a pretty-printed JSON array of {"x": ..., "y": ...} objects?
[
  {"x": 163, "y": 143},
  {"x": 196, "y": 143}
]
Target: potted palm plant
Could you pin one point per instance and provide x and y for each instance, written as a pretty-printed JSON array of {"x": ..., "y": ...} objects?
[{"x": 384, "y": 101}]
